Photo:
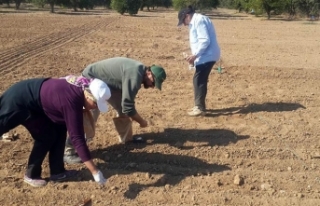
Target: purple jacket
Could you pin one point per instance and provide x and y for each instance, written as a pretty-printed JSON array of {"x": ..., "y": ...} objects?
[{"x": 63, "y": 104}]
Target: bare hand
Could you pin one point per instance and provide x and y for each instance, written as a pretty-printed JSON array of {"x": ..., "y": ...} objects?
[
  {"x": 190, "y": 59},
  {"x": 143, "y": 123}
]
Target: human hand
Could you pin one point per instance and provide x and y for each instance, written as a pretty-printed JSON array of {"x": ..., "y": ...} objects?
[
  {"x": 99, "y": 178},
  {"x": 190, "y": 59},
  {"x": 143, "y": 123}
]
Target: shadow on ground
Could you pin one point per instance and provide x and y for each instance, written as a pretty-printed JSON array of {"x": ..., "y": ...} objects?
[
  {"x": 131, "y": 158},
  {"x": 123, "y": 160},
  {"x": 253, "y": 108},
  {"x": 176, "y": 137}
]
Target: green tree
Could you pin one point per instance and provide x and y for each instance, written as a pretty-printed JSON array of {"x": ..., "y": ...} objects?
[
  {"x": 39, "y": 3},
  {"x": 133, "y": 6},
  {"x": 85, "y": 4},
  {"x": 197, "y": 4},
  {"x": 51, "y": 3},
  {"x": 277, "y": 6},
  {"x": 18, "y": 3},
  {"x": 291, "y": 7},
  {"x": 126, "y": 6},
  {"x": 308, "y": 7},
  {"x": 119, "y": 5},
  {"x": 155, "y": 3},
  {"x": 179, "y": 4}
]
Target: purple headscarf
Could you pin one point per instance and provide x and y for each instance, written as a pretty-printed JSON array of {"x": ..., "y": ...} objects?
[{"x": 78, "y": 81}]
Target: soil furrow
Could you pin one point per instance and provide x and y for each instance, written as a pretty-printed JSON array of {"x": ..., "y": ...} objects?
[{"x": 15, "y": 57}]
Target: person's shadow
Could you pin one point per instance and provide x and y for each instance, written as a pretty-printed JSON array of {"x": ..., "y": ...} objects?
[
  {"x": 252, "y": 108},
  {"x": 126, "y": 159},
  {"x": 178, "y": 138}
]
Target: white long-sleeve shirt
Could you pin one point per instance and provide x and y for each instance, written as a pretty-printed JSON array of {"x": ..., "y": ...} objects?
[{"x": 203, "y": 40}]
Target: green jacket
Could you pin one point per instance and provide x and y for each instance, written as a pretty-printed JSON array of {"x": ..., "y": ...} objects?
[{"x": 119, "y": 73}]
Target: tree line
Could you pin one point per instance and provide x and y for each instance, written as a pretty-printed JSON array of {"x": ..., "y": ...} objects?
[
  {"x": 309, "y": 8},
  {"x": 257, "y": 7}
]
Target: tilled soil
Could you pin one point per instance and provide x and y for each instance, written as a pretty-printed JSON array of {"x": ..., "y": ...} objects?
[{"x": 257, "y": 145}]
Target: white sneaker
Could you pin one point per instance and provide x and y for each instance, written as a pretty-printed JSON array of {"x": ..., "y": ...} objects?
[
  {"x": 195, "y": 111},
  {"x": 7, "y": 137}
]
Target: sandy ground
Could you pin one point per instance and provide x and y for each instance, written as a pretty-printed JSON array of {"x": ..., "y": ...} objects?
[{"x": 258, "y": 145}]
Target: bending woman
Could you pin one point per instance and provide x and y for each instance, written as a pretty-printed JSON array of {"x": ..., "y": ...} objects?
[{"x": 48, "y": 108}]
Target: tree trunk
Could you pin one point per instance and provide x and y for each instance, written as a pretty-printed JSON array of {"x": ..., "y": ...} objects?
[
  {"x": 51, "y": 7},
  {"x": 18, "y": 3},
  {"x": 269, "y": 14},
  {"x": 8, "y": 3}
]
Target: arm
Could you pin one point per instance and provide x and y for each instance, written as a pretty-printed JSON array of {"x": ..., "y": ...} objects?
[
  {"x": 131, "y": 83},
  {"x": 91, "y": 166},
  {"x": 73, "y": 115},
  {"x": 140, "y": 120},
  {"x": 203, "y": 37},
  {"x": 74, "y": 121}
]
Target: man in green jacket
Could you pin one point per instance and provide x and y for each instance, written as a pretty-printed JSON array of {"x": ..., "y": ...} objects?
[{"x": 124, "y": 76}]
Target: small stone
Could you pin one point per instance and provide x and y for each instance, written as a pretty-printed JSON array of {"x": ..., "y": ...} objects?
[
  {"x": 178, "y": 144},
  {"x": 62, "y": 187},
  {"x": 238, "y": 180},
  {"x": 163, "y": 180},
  {"x": 289, "y": 168},
  {"x": 167, "y": 186},
  {"x": 113, "y": 188},
  {"x": 271, "y": 191},
  {"x": 266, "y": 186},
  {"x": 252, "y": 187},
  {"x": 300, "y": 195},
  {"x": 148, "y": 175}
]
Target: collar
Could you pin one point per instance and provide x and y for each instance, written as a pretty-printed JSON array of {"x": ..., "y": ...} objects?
[{"x": 193, "y": 19}]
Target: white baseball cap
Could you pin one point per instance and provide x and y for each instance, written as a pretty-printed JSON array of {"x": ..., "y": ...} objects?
[{"x": 101, "y": 93}]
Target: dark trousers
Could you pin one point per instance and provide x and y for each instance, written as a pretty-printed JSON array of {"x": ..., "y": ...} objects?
[
  {"x": 20, "y": 105},
  {"x": 48, "y": 138},
  {"x": 200, "y": 84}
]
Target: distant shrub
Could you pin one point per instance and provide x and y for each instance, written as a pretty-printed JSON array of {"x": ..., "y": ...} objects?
[
  {"x": 39, "y": 3},
  {"x": 126, "y": 6},
  {"x": 86, "y": 4}
]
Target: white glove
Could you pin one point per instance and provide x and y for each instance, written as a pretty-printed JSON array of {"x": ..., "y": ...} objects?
[{"x": 99, "y": 178}]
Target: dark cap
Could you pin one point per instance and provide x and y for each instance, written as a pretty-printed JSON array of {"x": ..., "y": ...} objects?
[
  {"x": 183, "y": 12},
  {"x": 159, "y": 75}
]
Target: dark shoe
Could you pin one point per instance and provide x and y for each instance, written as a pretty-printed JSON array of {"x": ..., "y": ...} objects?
[
  {"x": 37, "y": 182},
  {"x": 72, "y": 159},
  {"x": 63, "y": 176},
  {"x": 138, "y": 140}
]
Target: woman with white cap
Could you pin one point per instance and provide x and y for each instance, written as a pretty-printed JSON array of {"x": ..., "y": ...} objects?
[{"x": 48, "y": 108}]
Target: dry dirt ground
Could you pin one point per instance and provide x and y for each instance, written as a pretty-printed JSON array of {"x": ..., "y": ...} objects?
[{"x": 258, "y": 145}]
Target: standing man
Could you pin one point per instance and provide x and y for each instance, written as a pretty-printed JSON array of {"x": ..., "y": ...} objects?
[
  {"x": 205, "y": 53},
  {"x": 124, "y": 76}
]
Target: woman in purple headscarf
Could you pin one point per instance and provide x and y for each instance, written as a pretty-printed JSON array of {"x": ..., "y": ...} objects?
[{"x": 48, "y": 108}]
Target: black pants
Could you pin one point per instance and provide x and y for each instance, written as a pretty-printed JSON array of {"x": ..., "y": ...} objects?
[
  {"x": 48, "y": 138},
  {"x": 200, "y": 84},
  {"x": 21, "y": 105}
]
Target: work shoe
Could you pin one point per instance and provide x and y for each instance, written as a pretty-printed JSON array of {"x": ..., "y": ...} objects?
[
  {"x": 37, "y": 182},
  {"x": 136, "y": 140},
  {"x": 8, "y": 137},
  {"x": 195, "y": 111},
  {"x": 72, "y": 159},
  {"x": 63, "y": 176}
]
